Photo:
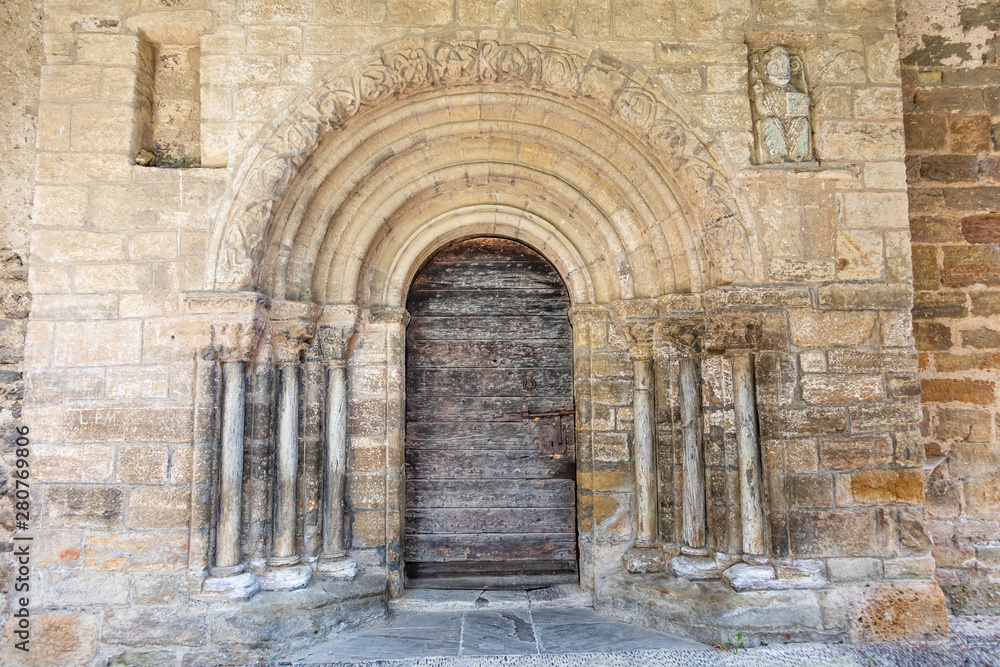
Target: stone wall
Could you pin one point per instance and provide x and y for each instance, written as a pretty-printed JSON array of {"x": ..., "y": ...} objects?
[
  {"x": 951, "y": 86},
  {"x": 20, "y": 65},
  {"x": 124, "y": 346}
]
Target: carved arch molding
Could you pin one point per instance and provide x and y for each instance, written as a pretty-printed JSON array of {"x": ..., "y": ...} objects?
[{"x": 722, "y": 247}]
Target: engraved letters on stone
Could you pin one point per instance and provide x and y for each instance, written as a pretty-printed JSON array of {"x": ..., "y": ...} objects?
[{"x": 779, "y": 103}]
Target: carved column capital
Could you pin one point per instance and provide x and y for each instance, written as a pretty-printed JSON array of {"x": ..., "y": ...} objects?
[
  {"x": 334, "y": 329},
  {"x": 293, "y": 326},
  {"x": 235, "y": 337},
  {"x": 635, "y": 321}
]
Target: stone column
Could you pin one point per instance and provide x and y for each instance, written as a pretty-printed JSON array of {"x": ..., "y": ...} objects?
[
  {"x": 290, "y": 339},
  {"x": 751, "y": 498},
  {"x": 693, "y": 470},
  {"x": 645, "y": 555},
  {"x": 334, "y": 334},
  {"x": 235, "y": 341}
]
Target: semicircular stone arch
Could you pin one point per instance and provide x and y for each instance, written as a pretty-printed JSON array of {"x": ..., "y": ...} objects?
[{"x": 554, "y": 144}]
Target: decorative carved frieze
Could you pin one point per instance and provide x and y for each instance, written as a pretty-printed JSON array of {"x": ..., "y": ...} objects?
[{"x": 627, "y": 96}]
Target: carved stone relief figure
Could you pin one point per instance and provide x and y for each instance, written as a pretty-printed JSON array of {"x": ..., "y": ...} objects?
[{"x": 780, "y": 104}]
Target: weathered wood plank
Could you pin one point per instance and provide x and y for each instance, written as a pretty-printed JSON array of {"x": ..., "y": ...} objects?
[
  {"x": 489, "y": 354},
  {"x": 498, "y": 382},
  {"x": 461, "y": 493},
  {"x": 480, "y": 327},
  {"x": 425, "y": 521},
  {"x": 490, "y": 546},
  {"x": 472, "y": 435},
  {"x": 489, "y": 302},
  {"x": 505, "y": 464},
  {"x": 477, "y": 408},
  {"x": 512, "y": 275}
]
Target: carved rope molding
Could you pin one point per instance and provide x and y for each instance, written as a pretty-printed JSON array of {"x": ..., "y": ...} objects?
[{"x": 556, "y": 70}]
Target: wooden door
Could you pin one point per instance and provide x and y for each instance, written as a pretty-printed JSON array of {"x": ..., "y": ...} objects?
[{"x": 490, "y": 484}]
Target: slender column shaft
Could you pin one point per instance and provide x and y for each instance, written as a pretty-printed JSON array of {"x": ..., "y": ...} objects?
[
  {"x": 227, "y": 549},
  {"x": 336, "y": 461},
  {"x": 751, "y": 499},
  {"x": 287, "y": 463},
  {"x": 643, "y": 452},
  {"x": 693, "y": 516}
]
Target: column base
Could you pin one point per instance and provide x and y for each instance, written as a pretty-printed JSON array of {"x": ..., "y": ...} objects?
[
  {"x": 236, "y": 587},
  {"x": 781, "y": 575},
  {"x": 283, "y": 561},
  {"x": 641, "y": 560},
  {"x": 337, "y": 567},
  {"x": 697, "y": 568},
  {"x": 287, "y": 578}
]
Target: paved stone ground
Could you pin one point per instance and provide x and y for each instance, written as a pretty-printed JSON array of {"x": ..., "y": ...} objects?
[{"x": 514, "y": 631}]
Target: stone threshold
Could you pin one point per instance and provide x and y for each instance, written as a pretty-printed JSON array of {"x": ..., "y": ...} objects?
[{"x": 427, "y": 599}]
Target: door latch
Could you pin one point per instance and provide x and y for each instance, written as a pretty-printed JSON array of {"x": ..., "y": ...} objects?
[{"x": 551, "y": 439}]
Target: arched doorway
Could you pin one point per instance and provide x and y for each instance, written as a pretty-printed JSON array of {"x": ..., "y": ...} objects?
[{"x": 490, "y": 455}]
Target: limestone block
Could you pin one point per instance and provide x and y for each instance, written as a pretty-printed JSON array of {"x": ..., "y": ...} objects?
[
  {"x": 898, "y": 416},
  {"x": 341, "y": 12},
  {"x": 114, "y": 278},
  {"x": 859, "y": 140},
  {"x": 97, "y": 343},
  {"x": 102, "y": 127},
  {"x": 70, "y": 82},
  {"x": 75, "y": 246},
  {"x": 644, "y": 560},
  {"x": 72, "y": 463},
  {"x": 841, "y": 532},
  {"x": 142, "y": 464},
  {"x": 53, "y": 127},
  {"x": 788, "y": 12},
  {"x": 875, "y": 210},
  {"x": 857, "y": 451},
  {"x": 882, "y": 55},
  {"x": 636, "y": 19},
  {"x": 173, "y": 339},
  {"x": 154, "y": 587},
  {"x": 697, "y": 568},
  {"x": 783, "y": 270},
  {"x": 897, "y": 610},
  {"x": 154, "y": 626},
  {"x": 367, "y": 529},
  {"x": 834, "y": 328},
  {"x": 880, "y": 487},
  {"x": 854, "y": 569},
  {"x": 82, "y": 167},
  {"x": 57, "y": 386},
  {"x": 82, "y": 506},
  {"x": 136, "y": 552},
  {"x": 158, "y": 508},
  {"x": 417, "y": 12},
  {"x": 82, "y": 588},
  {"x": 104, "y": 422},
  {"x": 70, "y": 639},
  {"x": 239, "y": 70},
  {"x": 58, "y": 548},
  {"x": 818, "y": 388},
  {"x": 57, "y": 206}
]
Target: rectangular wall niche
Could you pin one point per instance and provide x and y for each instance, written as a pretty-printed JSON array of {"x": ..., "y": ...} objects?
[{"x": 171, "y": 119}]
